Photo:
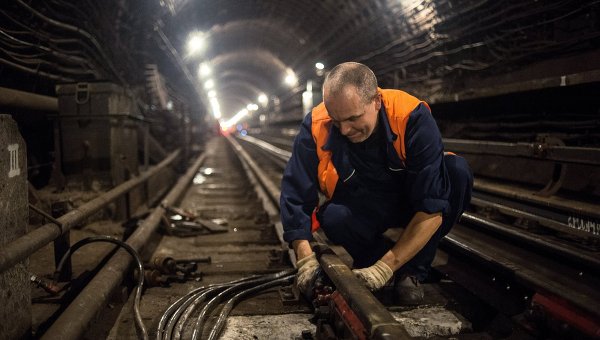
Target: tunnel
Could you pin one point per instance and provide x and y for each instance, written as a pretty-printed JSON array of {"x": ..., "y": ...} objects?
[{"x": 268, "y": 169}]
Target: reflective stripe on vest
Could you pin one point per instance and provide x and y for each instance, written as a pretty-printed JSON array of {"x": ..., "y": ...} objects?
[{"x": 398, "y": 106}]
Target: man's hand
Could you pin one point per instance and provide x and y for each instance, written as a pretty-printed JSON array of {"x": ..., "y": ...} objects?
[
  {"x": 308, "y": 268},
  {"x": 375, "y": 276}
]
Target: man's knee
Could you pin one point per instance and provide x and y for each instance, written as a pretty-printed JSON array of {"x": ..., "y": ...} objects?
[
  {"x": 461, "y": 178},
  {"x": 334, "y": 219}
]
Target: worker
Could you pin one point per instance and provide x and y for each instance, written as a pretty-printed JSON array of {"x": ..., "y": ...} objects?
[{"x": 367, "y": 159}]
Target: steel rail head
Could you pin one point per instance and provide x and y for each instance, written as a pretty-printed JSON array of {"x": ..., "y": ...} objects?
[
  {"x": 272, "y": 149},
  {"x": 21, "y": 248},
  {"x": 376, "y": 318},
  {"x": 266, "y": 190},
  {"x": 587, "y": 259}
]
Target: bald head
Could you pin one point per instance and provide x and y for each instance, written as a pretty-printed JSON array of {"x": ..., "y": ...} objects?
[
  {"x": 351, "y": 74},
  {"x": 352, "y": 101}
]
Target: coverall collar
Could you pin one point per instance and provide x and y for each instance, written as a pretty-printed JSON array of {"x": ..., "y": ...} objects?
[{"x": 338, "y": 145}]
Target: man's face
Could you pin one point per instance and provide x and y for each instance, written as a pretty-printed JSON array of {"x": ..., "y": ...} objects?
[{"x": 351, "y": 115}]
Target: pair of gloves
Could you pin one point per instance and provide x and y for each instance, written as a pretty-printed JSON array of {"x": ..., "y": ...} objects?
[{"x": 374, "y": 277}]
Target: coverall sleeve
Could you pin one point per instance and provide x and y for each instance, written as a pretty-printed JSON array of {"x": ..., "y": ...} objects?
[
  {"x": 299, "y": 186},
  {"x": 427, "y": 182}
]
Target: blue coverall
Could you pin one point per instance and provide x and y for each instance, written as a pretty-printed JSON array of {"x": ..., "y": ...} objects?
[{"x": 376, "y": 190}]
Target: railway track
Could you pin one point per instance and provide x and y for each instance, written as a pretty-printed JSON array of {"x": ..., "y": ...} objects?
[{"x": 218, "y": 268}]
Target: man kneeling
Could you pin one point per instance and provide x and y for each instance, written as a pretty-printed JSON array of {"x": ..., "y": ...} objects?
[{"x": 377, "y": 156}]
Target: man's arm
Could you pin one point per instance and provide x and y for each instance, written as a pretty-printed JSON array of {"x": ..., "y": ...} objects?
[
  {"x": 302, "y": 248},
  {"x": 427, "y": 188},
  {"x": 298, "y": 199},
  {"x": 427, "y": 191},
  {"x": 299, "y": 187},
  {"x": 419, "y": 231}
]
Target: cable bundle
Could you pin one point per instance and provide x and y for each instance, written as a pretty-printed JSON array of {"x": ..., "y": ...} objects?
[{"x": 208, "y": 298}]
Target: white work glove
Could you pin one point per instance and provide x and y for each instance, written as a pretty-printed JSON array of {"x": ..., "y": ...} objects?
[
  {"x": 375, "y": 276},
  {"x": 308, "y": 267}
]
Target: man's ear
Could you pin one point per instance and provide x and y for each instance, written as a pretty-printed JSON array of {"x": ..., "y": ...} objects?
[{"x": 378, "y": 101}]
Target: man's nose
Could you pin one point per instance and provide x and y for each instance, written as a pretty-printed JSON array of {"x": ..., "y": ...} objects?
[{"x": 345, "y": 128}]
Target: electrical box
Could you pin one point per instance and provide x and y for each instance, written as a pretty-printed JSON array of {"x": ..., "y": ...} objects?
[{"x": 98, "y": 126}]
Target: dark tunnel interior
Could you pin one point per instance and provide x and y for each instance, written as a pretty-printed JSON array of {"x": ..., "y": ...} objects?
[{"x": 129, "y": 97}]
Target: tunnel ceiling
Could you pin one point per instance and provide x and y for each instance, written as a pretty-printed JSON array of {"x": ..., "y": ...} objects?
[{"x": 434, "y": 47}]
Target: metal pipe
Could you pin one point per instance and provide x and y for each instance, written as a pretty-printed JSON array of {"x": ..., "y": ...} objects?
[
  {"x": 377, "y": 320},
  {"x": 558, "y": 153},
  {"x": 19, "y": 249},
  {"x": 73, "y": 322},
  {"x": 27, "y": 100},
  {"x": 140, "y": 267},
  {"x": 44, "y": 214},
  {"x": 576, "y": 255},
  {"x": 482, "y": 200}
]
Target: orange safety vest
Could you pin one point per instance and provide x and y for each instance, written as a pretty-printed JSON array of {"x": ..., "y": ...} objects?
[{"x": 398, "y": 106}]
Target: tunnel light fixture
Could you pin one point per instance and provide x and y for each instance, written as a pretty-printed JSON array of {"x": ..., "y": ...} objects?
[
  {"x": 290, "y": 78},
  {"x": 209, "y": 84},
  {"x": 212, "y": 94},
  {"x": 252, "y": 107},
  {"x": 262, "y": 99},
  {"x": 204, "y": 70},
  {"x": 233, "y": 120},
  {"x": 196, "y": 43},
  {"x": 319, "y": 66},
  {"x": 216, "y": 108}
]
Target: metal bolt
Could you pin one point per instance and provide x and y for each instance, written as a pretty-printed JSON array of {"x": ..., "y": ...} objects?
[
  {"x": 493, "y": 279},
  {"x": 580, "y": 273},
  {"x": 507, "y": 287}
]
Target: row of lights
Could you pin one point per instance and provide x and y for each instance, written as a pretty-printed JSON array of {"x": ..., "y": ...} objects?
[{"x": 197, "y": 43}]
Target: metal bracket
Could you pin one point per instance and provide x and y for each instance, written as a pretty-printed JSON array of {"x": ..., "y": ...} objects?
[{"x": 560, "y": 169}]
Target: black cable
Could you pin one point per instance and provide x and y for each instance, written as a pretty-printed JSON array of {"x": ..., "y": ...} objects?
[
  {"x": 217, "y": 299},
  {"x": 174, "y": 308},
  {"x": 81, "y": 32},
  {"x": 218, "y": 326},
  {"x": 138, "y": 260},
  {"x": 177, "y": 322}
]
